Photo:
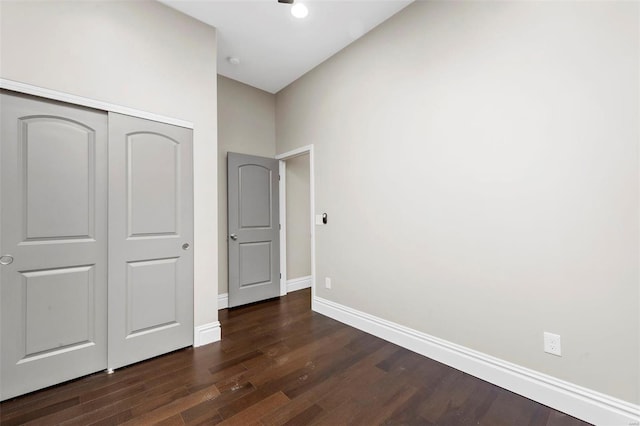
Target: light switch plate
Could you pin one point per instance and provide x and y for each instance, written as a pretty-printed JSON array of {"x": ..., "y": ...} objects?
[{"x": 319, "y": 219}]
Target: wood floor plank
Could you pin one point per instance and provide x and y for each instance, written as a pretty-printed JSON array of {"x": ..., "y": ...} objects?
[
  {"x": 439, "y": 400},
  {"x": 302, "y": 358},
  {"x": 23, "y": 417},
  {"x": 323, "y": 369},
  {"x": 160, "y": 386},
  {"x": 345, "y": 414},
  {"x": 175, "y": 420},
  {"x": 508, "y": 409},
  {"x": 338, "y": 387},
  {"x": 540, "y": 417},
  {"x": 125, "y": 409},
  {"x": 157, "y": 390},
  {"x": 407, "y": 413},
  {"x": 470, "y": 405},
  {"x": 305, "y": 417},
  {"x": 94, "y": 382},
  {"x": 279, "y": 363},
  {"x": 209, "y": 411},
  {"x": 253, "y": 414},
  {"x": 289, "y": 412},
  {"x": 557, "y": 418},
  {"x": 385, "y": 406},
  {"x": 91, "y": 405},
  {"x": 244, "y": 402},
  {"x": 175, "y": 407}
]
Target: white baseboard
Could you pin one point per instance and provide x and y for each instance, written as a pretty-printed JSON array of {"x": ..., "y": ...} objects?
[
  {"x": 580, "y": 402},
  {"x": 223, "y": 301},
  {"x": 292, "y": 285},
  {"x": 298, "y": 283},
  {"x": 207, "y": 333}
]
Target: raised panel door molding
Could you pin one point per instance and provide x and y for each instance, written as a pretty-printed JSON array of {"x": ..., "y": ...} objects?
[
  {"x": 153, "y": 185},
  {"x": 59, "y": 308},
  {"x": 156, "y": 278},
  {"x": 58, "y": 178}
]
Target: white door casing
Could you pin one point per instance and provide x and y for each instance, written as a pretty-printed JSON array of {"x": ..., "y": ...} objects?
[{"x": 303, "y": 150}]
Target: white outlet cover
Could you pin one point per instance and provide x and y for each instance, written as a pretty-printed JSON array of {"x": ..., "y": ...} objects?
[
  {"x": 552, "y": 344},
  {"x": 327, "y": 282}
]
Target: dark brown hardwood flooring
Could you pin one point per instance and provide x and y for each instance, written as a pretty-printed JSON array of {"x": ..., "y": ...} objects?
[{"x": 279, "y": 363}]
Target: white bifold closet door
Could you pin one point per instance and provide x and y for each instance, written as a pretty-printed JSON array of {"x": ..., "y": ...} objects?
[{"x": 95, "y": 214}]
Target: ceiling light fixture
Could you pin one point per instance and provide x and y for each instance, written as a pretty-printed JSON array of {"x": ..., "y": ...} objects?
[
  {"x": 233, "y": 60},
  {"x": 299, "y": 10}
]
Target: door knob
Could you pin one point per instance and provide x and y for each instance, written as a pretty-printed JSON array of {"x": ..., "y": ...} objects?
[
  {"x": 7, "y": 259},
  {"x": 233, "y": 237},
  {"x": 185, "y": 246}
]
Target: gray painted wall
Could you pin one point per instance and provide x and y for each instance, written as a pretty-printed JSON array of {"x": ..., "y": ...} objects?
[
  {"x": 138, "y": 54},
  {"x": 479, "y": 164},
  {"x": 246, "y": 125}
]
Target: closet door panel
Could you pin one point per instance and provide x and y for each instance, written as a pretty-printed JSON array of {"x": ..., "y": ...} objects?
[
  {"x": 150, "y": 239},
  {"x": 53, "y": 242}
]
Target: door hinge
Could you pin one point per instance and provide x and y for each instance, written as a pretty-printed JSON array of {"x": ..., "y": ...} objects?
[
  {"x": 280, "y": 226},
  {"x": 280, "y": 274},
  {"x": 278, "y": 177}
]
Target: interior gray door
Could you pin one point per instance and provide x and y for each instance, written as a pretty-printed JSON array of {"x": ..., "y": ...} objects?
[
  {"x": 253, "y": 220},
  {"x": 150, "y": 239},
  {"x": 53, "y": 242}
]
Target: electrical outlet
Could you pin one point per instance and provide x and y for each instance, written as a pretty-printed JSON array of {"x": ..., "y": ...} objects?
[
  {"x": 552, "y": 344},
  {"x": 327, "y": 282}
]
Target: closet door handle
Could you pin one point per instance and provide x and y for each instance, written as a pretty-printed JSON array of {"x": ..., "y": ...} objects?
[
  {"x": 7, "y": 259},
  {"x": 233, "y": 237},
  {"x": 185, "y": 246}
]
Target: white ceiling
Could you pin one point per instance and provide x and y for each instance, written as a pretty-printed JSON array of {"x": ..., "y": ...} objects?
[{"x": 275, "y": 48}]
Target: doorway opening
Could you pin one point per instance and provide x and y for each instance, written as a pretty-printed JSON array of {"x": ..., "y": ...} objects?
[{"x": 297, "y": 211}]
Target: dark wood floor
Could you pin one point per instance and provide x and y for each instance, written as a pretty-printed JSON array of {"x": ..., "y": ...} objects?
[{"x": 280, "y": 363}]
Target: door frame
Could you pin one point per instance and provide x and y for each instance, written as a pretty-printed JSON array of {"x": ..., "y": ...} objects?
[
  {"x": 55, "y": 95},
  {"x": 307, "y": 149}
]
